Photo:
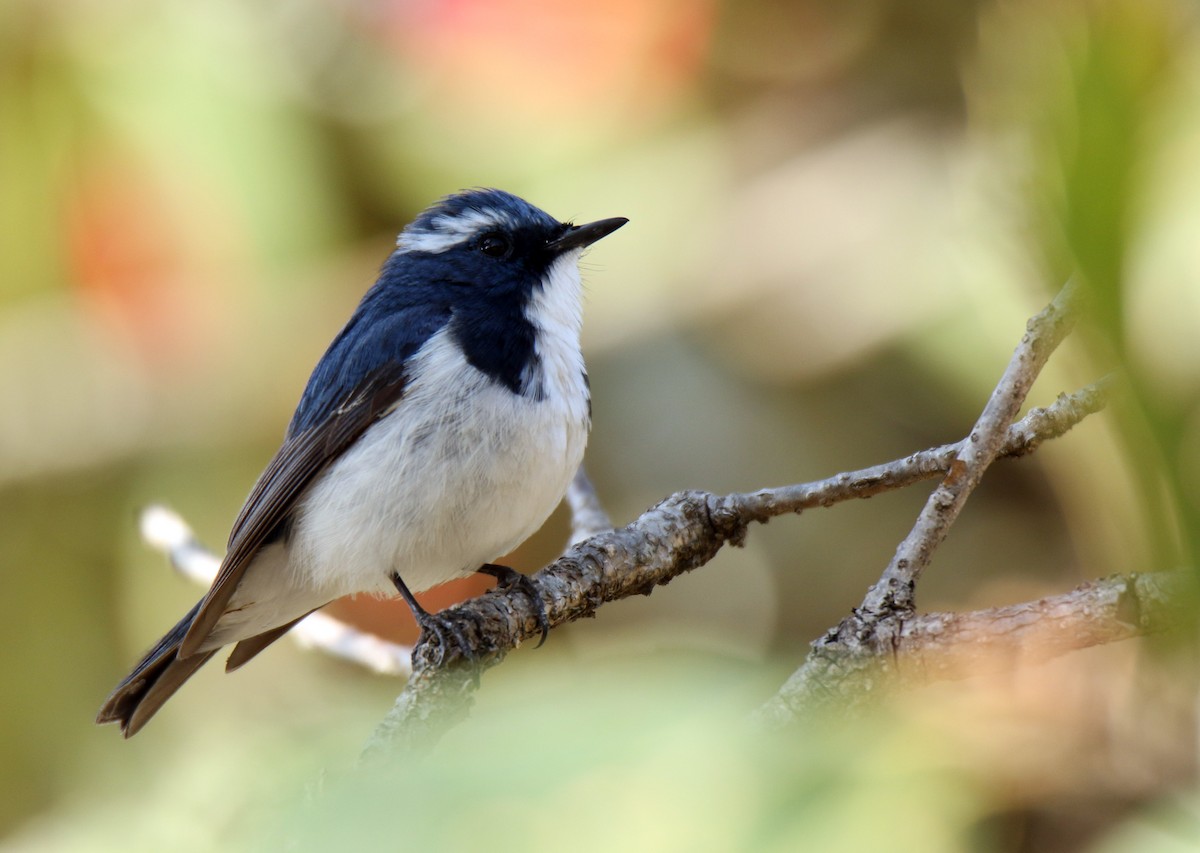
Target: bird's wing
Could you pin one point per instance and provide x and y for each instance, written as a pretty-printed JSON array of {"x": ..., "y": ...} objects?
[
  {"x": 301, "y": 458},
  {"x": 360, "y": 378}
]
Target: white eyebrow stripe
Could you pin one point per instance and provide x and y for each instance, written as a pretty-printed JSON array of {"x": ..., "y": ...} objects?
[{"x": 446, "y": 232}]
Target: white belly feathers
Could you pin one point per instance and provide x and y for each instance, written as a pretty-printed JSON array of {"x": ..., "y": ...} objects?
[{"x": 460, "y": 473}]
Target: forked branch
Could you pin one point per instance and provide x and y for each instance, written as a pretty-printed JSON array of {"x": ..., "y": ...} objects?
[{"x": 686, "y": 530}]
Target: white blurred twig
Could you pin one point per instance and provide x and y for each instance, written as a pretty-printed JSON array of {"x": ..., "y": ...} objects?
[
  {"x": 165, "y": 531},
  {"x": 587, "y": 515}
]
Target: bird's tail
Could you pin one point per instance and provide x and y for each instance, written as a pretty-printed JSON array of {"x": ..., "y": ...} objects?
[{"x": 153, "y": 681}]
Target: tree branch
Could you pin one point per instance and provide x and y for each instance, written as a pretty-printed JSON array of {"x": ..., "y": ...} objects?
[
  {"x": 944, "y": 646},
  {"x": 843, "y": 665},
  {"x": 681, "y": 533}
]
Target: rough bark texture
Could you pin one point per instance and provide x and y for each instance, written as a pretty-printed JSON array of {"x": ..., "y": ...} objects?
[{"x": 845, "y": 671}]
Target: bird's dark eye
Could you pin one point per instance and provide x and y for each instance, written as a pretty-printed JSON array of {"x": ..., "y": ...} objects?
[{"x": 495, "y": 245}]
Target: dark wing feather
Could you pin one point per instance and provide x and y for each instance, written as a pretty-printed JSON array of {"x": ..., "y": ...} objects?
[
  {"x": 360, "y": 378},
  {"x": 249, "y": 647},
  {"x": 301, "y": 458}
]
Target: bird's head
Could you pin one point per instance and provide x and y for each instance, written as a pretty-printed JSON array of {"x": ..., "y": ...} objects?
[{"x": 495, "y": 241}]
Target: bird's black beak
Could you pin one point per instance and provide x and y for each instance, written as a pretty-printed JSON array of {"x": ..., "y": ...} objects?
[{"x": 581, "y": 236}]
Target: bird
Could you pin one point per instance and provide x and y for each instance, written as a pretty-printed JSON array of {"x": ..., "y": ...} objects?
[{"x": 438, "y": 431}]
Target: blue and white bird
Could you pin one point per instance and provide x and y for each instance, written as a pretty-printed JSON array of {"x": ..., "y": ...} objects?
[{"x": 439, "y": 431}]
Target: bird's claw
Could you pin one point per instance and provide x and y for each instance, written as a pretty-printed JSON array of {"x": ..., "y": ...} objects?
[
  {"x": 448, "y": 634},
  {"x": 508, "y": 579}
]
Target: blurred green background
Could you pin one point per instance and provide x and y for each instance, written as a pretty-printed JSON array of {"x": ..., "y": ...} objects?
[{"x": 841, "y": 216}]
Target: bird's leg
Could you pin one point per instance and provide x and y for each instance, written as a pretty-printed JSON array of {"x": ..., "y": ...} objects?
[
  {"x": 508, "y": 579},
  {"x": 436, "y": 624}
]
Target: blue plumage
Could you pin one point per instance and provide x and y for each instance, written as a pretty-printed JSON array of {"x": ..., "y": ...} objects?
[
  {"x": 384, "y": 330},
  {"x": 418, "y": 292}
]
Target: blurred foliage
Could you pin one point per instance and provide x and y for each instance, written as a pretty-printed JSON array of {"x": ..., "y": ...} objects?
[
  {"x": 1097, "y": 101},
  {"x": 842, "y": 215}
]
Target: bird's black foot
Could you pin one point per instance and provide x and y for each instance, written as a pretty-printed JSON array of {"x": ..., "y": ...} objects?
[
  {"x": 449, "y": 633},
  {"x": 508, "y": 579}
]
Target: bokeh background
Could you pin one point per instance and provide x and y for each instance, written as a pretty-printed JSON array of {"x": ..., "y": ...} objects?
[{"x": 841, "y": 216}]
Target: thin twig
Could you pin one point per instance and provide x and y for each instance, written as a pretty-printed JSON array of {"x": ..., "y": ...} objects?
[
  {"x": 168, "y": 533},
  {"x": 587, "y": 514},
  {"x": 894, "y": 592},
  {"x": 1039, "y": 425}
]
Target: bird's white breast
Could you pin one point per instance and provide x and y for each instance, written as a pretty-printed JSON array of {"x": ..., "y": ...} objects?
[{"x": 460, "y": 472}]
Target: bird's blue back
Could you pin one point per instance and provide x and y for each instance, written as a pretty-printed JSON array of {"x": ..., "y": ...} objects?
[
  {"x": 393, "y": 321},
  {"x": 418, "y": 293}
]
